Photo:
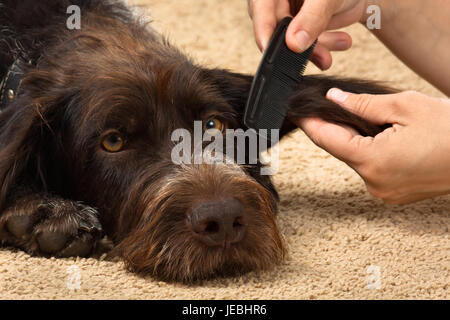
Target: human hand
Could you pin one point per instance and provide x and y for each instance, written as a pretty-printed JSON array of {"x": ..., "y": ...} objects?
[
  {"x": 310, "y": 23},
  {"x": 407, "y": 162}
]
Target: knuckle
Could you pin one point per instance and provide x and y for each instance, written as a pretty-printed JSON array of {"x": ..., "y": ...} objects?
[
  {"x": 363, "y": 102},
  {"x": 318, "y": 141},
  {"x": 319, "y": 13},
  {"x": 313, "y": 20},
  {"x": 408, "y": 96},
  {"x": 404, "y": 101}
]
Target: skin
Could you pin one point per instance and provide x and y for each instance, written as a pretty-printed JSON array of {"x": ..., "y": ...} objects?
[
  {"x": 310, "y": 23},
  {"x": 411, "y": 160}
]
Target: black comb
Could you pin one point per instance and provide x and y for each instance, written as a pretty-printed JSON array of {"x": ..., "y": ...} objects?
[{"x": 279, "y": 73}]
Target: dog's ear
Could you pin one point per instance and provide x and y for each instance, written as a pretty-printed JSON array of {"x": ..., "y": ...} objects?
[
  {"x": 23, "y": 138},
  {"x": 234, "y": 87},
  {"x": 308, "y": 100}
]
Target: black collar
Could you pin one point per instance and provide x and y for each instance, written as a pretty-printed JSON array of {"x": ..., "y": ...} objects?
[{"x": 9, "y": 86}]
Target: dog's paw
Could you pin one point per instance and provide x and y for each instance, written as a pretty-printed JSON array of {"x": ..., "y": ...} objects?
[{"x": 60, "y": 228}]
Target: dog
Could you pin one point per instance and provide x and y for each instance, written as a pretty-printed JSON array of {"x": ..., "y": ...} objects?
[{"x": 85, "y": 145}]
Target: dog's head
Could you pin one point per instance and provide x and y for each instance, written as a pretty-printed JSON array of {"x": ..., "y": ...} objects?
[{"x": 95, "y": 122}]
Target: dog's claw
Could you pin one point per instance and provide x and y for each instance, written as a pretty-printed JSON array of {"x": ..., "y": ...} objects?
[{"x": 91, "y": 226}]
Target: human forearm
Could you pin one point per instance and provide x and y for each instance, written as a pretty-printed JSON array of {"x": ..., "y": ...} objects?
[{"x": 418, "y": 32}]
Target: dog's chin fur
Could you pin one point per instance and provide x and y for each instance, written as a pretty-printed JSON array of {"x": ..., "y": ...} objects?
[
  {"x": 116, "y": 74},
  {"x": 161, "y": 243}
]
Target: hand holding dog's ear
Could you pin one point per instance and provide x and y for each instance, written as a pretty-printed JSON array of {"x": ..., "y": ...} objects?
[{"x": 407, "y": 162}]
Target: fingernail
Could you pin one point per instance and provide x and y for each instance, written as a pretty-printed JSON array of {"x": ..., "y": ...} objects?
[
  {"x": 263, "y": 45},
  {"x": 303, "y": 40},
  {"x": 337, "y": 95}
]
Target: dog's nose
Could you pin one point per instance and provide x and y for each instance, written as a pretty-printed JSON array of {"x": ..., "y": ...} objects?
[{"x": 217, "y": 223}]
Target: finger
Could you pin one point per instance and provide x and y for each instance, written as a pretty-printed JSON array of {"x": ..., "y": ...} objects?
[
  {"x": 347, "y": 14},
  {"x": 264, "y": 18},
  {"x": 321, "y": 57},
  {"x": 309, "y": 23},
  {"x": 379, "y": 109},
  {"x": 328, "y": 41},
  {"x": 335, "y": 41},
  {"x": 340, "y": 141},
  {"x": 282, "y": 10}
]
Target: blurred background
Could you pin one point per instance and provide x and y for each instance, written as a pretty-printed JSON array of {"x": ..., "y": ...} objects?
[{"x": 219, "y": 33}]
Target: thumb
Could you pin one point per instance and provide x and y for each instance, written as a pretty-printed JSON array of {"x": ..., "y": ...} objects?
[
  {"x": 378, "y": 109},
  {"x": 309, "y": 23},
  {"x": 340, "y": 141}
]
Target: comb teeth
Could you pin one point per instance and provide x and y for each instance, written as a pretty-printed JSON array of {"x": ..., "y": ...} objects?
[
  {"x": 279, "y": 72},
  {"x": 292, "y": 64}
]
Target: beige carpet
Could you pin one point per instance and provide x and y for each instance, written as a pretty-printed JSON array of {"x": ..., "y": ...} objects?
[{"x": 338, "y": 236}]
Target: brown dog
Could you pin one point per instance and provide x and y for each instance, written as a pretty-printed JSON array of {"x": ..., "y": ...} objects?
[{"x": 85, "y": 145}]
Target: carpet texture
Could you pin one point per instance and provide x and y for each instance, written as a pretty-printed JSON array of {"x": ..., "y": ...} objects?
[{"x": 340, "y": 239}]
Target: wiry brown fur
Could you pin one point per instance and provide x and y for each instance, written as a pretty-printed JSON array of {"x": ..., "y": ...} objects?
[
  {"x": 60, "y": 191},
  {"x": 180, "y": 257}
]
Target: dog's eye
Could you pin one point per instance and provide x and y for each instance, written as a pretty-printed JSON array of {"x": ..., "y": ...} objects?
[
  {"x": 214, "y": 124},
  {"x": 113, "y": 142}
]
